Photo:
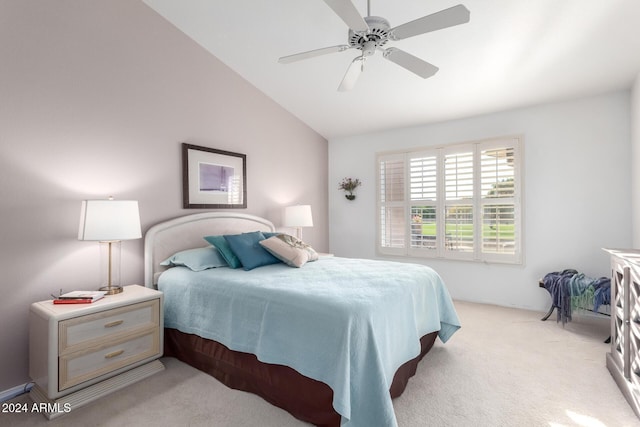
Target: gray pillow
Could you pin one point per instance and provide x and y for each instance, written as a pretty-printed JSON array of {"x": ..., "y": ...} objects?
[{"x": 196, "y": 259}]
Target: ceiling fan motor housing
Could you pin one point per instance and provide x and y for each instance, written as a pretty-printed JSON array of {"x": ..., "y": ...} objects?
[{"x": 376, "y": 37}]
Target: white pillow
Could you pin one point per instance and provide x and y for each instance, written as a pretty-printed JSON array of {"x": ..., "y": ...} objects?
[{"x": 293, "y": 252}]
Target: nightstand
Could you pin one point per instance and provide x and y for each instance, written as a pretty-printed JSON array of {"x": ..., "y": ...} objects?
[{"x": 81, "y": 352}]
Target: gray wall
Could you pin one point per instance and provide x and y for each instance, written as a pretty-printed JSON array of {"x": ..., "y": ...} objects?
[
  {"x": 577, "y": 193},
  {"x": 95, "y": 98}
]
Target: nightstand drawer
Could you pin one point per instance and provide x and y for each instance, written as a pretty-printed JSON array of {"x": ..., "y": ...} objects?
[
  {"x": 84, "y": 331},
  {"x": 82, "y": 366}
]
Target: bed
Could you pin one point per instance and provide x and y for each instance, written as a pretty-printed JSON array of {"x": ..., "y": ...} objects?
[{"x": 331, "y": 342}]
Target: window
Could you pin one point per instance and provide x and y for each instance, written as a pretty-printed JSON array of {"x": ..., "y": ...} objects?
[{"x": 460, "y": 202}]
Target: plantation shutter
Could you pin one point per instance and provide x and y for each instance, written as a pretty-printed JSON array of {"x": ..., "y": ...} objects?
[
  {"x": 459, "y": 192},
  {"x": 498, "y": 199},
  {"x": 391, "y": 179},
  {"x": 459, "y": 201},
  {"x": 423, "y": 168}
]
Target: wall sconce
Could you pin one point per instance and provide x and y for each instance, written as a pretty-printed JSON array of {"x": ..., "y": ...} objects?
[{"x": 349, "y": 185}]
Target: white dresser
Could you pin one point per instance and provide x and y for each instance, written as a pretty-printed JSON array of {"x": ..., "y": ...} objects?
[
  {"x": 624, "y": 359},
  {"x": 81, "y": 352}
]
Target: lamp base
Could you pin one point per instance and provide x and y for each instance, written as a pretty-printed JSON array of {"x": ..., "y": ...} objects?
[{"x": 111, "y": 290}]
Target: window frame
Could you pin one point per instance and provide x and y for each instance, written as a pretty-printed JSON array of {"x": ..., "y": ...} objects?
[{"x": 477, "y": 202}]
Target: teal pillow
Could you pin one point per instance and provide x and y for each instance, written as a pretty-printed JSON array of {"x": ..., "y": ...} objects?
[
  {"x": 268, "y": 234},
  {"x": 196, "y": 259},
  {"x": 246, "y": 246},
  {"x": 225, "y": 250}
]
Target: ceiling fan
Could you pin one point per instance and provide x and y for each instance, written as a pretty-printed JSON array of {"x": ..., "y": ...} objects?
[{"x": 371, "y": 33}]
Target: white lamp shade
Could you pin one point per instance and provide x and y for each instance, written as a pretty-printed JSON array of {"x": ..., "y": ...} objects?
[
  {"x": 109, "y": 220},
  {"x": 298, "y": 216}
]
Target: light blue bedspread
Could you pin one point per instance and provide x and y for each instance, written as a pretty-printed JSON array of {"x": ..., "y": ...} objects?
[{"x": 348, "y": 323}]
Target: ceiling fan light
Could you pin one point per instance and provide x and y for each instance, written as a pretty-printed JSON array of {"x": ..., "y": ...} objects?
[
  {"x": 368, "y": 48},
  {"x": 351, "y": 76}
]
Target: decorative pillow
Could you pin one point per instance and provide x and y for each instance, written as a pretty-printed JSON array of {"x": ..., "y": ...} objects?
[
  {"x": 196, "y": 259},
  {"x": 225, "y": 250},
  {"x": 247, "y": 249},
  {"x": 290, "y": 250},
  {"x": 268, "y": 234}
]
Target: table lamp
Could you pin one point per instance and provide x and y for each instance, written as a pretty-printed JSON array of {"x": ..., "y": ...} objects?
[
  {"x": 109, "y": 222},
  {"x": 298, "y": 216}
]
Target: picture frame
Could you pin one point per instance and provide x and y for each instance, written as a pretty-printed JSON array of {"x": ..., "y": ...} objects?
[{"x": 213, "y": 179}]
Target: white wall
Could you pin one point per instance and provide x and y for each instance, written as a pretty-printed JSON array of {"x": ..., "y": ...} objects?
[
  {"x": 577, "y": 187},
  {"x": 635, "y": 160},
  {"x": 95, "y": 99}
]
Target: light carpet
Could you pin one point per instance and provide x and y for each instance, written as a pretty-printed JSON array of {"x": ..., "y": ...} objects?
[{"x": 505, "y": 367}]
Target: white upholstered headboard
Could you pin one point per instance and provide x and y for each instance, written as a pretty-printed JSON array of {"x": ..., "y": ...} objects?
[{"x": 186, "y": 232}]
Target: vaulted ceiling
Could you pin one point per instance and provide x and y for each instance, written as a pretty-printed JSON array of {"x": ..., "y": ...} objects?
[{"x": 512, "y": 53}]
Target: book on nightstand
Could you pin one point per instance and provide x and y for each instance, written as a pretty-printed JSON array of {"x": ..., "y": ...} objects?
[{"x": 79, "y": 297}]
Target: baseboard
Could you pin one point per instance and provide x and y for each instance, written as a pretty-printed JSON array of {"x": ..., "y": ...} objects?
[{"x": 15, "y": 392}]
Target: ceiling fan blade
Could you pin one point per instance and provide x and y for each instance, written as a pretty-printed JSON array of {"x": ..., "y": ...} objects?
[
  {"x": 455, "y": 15},
  {"x": 349, "y": 14},
  {"x": 410, "y": 62},
  {"x": 312, "y": 53},
  {"x": 351, "y": 76}
]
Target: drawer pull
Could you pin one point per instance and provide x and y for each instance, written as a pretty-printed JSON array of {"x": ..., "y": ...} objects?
[
  {"x": 115, "y": 323},
  {"x": 113, "y": 354}
]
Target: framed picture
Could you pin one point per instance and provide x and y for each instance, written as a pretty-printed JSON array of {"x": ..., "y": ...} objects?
[{"x": 213, "y": 179}]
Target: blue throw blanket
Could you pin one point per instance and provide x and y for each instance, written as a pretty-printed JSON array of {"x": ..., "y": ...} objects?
[
  {"x": 348, "y": 323},
  {"x": 570, "y": 289}
]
